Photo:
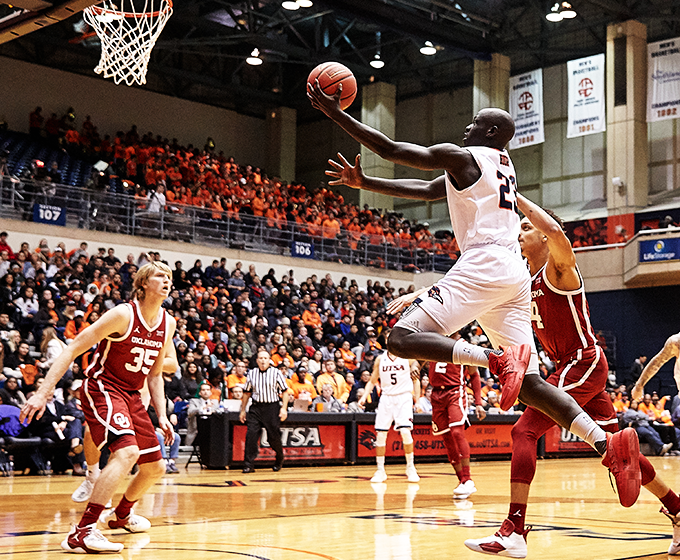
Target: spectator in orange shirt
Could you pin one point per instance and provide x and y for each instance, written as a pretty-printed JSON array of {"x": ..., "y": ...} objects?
[
  {"x": 301, "y": 383},
  {"x": 311, "y": 317},
  {"x": 280, "y": 355},
  {"x": 75, "y": 326},
  {"x": 330, "y": 231}
]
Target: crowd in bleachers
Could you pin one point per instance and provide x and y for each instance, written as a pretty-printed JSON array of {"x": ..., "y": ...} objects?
[
  {"x": 153, "y": 168},
  {"x": 319, "y": 333}
]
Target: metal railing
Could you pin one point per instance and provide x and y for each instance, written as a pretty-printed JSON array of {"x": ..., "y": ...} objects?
[{"x": 101, "y": 210}]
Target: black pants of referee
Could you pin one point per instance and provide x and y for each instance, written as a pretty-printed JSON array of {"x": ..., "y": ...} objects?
[{"x": 263, "y": 415}]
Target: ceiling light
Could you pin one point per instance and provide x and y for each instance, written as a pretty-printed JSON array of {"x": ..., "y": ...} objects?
[
  {"x": 290, "y": 5},
  {"x": 428, "y": 49},
  {"x": 305, "y": 3},
  {"x": 567, "y": 11},
  {"x": 254, "y": 58},
  {"x": 554, "y": 15},
  {"x": 377, "y": 62}
]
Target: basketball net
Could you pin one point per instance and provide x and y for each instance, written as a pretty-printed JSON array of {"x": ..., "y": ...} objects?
[{"x": 127, "y": 36}]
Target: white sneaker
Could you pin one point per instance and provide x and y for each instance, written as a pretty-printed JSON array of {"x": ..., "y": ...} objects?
[
  {"x": 133, "y": 523},
  {"x": 464, "y": 490},
  {"x": 505, "y": 542},
  {"x": 88, "y": 540},
  {"x": 674, "y": 548},
  {"x": 379, "y": 476},
  {"x": 83, "y": 492},
  {"x": 412, "y": 474}
]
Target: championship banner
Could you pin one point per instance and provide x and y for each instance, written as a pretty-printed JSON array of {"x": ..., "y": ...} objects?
[
  {"x": 526, "y": 107},
  {"x": 663, "y": 80},
  {"x": 586, "y": 79}
]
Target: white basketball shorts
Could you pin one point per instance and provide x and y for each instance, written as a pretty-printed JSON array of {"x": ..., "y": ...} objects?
[{"x": 394, "y": 408}]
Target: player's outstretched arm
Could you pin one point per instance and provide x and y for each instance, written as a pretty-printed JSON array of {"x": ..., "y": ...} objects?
[
  {"x": 439, "y": 156},
  {"x": 114, "y": 321},
  {"x": 668, "y": 351},
  {"x": 345, "y": 173}
]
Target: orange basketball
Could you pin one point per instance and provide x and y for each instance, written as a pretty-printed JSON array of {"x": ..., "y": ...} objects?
[{"x": 330, "y": 74}]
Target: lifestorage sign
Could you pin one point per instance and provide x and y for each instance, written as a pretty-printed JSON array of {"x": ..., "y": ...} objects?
[
  {"x": 586, "y": 96},
  {"x": 663, "y": 80},
  {"x": 526, "y": 107},
  {"x": 654, "y": 250}
]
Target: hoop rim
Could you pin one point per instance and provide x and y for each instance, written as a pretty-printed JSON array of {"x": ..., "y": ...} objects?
[{"x": 98, "y": 10}]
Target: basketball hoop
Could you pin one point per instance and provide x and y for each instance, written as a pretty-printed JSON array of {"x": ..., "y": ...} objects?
[{"x": 128, "y": 35}]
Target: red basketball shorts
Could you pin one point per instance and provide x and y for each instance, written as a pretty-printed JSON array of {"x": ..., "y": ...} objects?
[
  {"x": 449, "y": 409},
  {"x": 119, "y": 419},
  {"x": 584, "y": 377}
]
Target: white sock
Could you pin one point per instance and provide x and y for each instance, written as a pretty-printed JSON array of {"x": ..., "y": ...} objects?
[
  {"x": 380, "y": 461},
  {"x": 585, "y": 427},
  {"x": 93, "y": 472},
  {"x": 469, "y": 355},
  {"x": 409, "y": 460}
]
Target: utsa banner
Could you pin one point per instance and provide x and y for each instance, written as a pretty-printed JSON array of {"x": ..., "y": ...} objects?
[
  {"x": 526, "y": 107},
  {"x": 586, "y": 78},
  {"x": 663, "y": 80}
]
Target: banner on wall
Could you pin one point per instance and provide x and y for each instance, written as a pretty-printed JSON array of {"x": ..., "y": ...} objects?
[
  {"x": 586, "y": 79},
  {"x": 526, "y": 107},
  {"x": 663, "y": 80}
]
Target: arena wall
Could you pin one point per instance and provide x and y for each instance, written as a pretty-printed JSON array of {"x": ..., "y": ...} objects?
[{"x": 25, "y": 86}]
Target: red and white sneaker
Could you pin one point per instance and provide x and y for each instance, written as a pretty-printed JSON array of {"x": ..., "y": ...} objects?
[
  {"x": 622, "y": 460},
  {"x": 674, "y": 548},
  {"x": 510, "y": 367},
  {"x": 132, "y": 523},
  {"x": 88, "y": 540},
  {"x": 505, "y": 542}
]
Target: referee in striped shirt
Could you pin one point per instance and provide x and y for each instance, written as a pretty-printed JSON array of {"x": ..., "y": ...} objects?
[{"x": 266, "y": 384}]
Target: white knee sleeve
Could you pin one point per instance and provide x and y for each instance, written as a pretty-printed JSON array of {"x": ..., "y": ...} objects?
[
  {"x": 381, "y": 439},
  {"x": 406, "y": 436}
]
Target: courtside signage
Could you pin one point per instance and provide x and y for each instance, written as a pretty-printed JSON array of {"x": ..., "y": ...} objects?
[
  {"x": 586, "y": 96},
  {"x": 300, "y": 443},
  {"x": 663, "y": 80},
  {"x": 653, "y": 250}
]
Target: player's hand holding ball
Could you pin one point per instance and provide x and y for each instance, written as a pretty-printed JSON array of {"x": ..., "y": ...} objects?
[{"x": 331, "y": 87}]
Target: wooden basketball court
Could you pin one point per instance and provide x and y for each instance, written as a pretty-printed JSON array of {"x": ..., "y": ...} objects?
[{"x": 336, "y": 513}]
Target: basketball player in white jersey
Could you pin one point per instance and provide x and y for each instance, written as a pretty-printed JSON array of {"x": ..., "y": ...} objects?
[
  {"x": 399, "y": 382},
  {"x": 670, "y": 350},
  {"x": 489, "y": 282}
]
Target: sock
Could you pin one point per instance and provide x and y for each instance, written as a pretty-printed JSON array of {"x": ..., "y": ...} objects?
[
  {"x": 409, "y": 459},
  {"x": 124, "y": 507},
  {"x": 517, "y": 515},
  {"x": 585, "y": 427},
  {"x": 672, "y": 502},
  {"x": 469, "y": 355},
  {"x": 380, "y": 461},
  {"x": 91, "y": 514},
  {"x": 93, "y": 472},
  {"x": 465, "y": 474}
]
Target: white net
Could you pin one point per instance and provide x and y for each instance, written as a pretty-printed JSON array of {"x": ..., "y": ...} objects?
[{"x": 128, "y": 32}]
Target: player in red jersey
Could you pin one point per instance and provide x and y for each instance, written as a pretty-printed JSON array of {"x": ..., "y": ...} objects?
[
  {"x": 561, "y": 321},
  {"x": 450, "y": 416},
  {"x": 132, "y": 341}
]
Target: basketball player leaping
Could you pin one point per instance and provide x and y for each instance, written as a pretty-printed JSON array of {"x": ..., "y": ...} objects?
[
  {"x": 399, "y": 381},
  {"x": 489, "y": 283},
  {"x": 561, "y": 321},
  {"x": 132, "y": 341}
]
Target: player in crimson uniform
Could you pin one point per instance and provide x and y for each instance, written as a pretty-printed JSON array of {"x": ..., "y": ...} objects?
[
  {"x": 561, "y": 321},
  {"x": 450, "y": 417},
  {"x": 132, "y": 341}
]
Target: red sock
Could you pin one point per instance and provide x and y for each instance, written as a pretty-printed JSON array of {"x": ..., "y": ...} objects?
[
  {"x": 92, "y": 513},
  {"x": 516, "y": 515},
  {"x": 124, "y": 507},
  {"x": 465, "y": 473},
  {"x": 672, "y": 502}
]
